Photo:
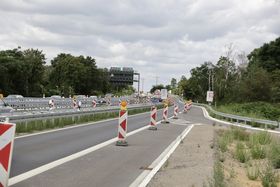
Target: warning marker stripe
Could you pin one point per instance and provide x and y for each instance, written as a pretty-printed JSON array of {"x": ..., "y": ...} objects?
[
  {"x": 7, "y": 132},
  {"x": 3, "y": 176}
]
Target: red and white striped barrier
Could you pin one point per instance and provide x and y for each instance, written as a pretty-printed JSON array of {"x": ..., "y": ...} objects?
[
  {"x": 7, "y": 133},
  {"x": 94, "y": 104},
  {"x": 176, "y": 110},
  {"x": 153, "y": 124},
  {"x": 186, "y": 107},
  {"x": 122, "y": 128},
  {"x": 189, "y": 106},
  {"x": 165, "y": 114}
]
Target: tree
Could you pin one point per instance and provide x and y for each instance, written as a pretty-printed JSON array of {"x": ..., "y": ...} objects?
[
  {"x": 173, "y": 83},
  {"x": 267, "y": 56},
  {"x": 34, "y": 61},
  {"x": 157, "y": 87}
]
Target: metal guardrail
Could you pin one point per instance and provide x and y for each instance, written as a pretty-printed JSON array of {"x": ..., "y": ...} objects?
[
  {"x": 32, "y": 103},
  {"x": 240, "y": 118},
  {"x": 57, "y": 113}
]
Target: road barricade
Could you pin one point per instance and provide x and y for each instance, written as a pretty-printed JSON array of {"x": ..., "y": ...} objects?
[
  {"x": 165, "y": 114},
  {"x": 122, "y": 125},
  {"x": 7, "y": 133},
  {"x": 176, "y": 110},
  {"x": 153, "y": 124}
]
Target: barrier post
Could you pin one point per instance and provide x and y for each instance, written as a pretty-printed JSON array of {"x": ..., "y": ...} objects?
[
  {"x": 122, "y": 125},
  {"x": 176, "y": 108},
  {"x": 165, "y": 114},
  {"x": 153, "y": 124},
  {"x": 7, "y": 134},
  {"x": 93, "y": 103}
]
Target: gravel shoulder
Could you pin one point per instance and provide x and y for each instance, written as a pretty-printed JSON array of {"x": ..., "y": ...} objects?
[{"x": 192, "y": 162}]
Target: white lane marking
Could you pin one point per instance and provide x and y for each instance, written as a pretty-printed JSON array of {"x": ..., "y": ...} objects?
[
  {"x": 144, "y": 178},
  {"x": 46, "y": 167},
  {"x": 75, "y": 126},
  {"x": 206, "y": 115}
]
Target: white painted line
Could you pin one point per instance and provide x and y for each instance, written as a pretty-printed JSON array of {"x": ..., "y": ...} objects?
[
  {"x": 206, "y": 115},
  {"x": 75, "y": 126},
  {"x": 46, "y": 167},
  {"x": 144, "y": 178}
]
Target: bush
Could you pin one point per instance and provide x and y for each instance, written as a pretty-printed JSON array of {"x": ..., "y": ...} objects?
[
  {"x": 241, "y": 153},
  {"x": 269, "y": 177},
  {"x": 218, "y": 176},
  {"x": 274, "y": 154},
  {"x": 253, "y": 172},
  {"x": 264, "y": 138},
  {"x": 258, "y": 152}
]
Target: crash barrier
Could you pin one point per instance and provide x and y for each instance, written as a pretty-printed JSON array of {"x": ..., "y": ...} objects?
[
  {"x": 239, "y": 119},
  {"x": 32, "y": 103},
  {"x": 7, "y": 134}
]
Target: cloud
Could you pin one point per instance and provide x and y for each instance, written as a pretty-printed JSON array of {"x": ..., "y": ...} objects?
[{"x": 162, "y": 39}]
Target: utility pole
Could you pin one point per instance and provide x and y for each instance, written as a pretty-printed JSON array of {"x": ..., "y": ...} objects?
[
  {"x": 156, "y": 80},
  {"x": 143, "y": 84}
]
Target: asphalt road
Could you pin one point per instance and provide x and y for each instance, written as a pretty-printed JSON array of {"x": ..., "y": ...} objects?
[{"x": 34, "y": 151}]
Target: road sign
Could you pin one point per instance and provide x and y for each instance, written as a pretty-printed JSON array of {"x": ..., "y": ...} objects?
[
  {"x": 163, "y": 93},
  {"x": 7, "y": 133},
  {"x": 210, "y": 96}
]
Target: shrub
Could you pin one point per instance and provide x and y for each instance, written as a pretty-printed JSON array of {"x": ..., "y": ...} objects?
[
  {"x": 241, "y": 153},
  {"x": 240, "y": 134},
  {"x": 253, "y": 172},
  {"x": 274, "y": 154},
  {"x": 269, "y": 177},
  {"x": 258, "y": 152},
  {"x": 218, "y": 176}
]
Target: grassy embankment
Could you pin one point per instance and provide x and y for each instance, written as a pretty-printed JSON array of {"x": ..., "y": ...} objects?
[
  {"x": 59, "y": 122},
  {"x": 259, "y": 110},
  {"x": 245, "y": 158}
]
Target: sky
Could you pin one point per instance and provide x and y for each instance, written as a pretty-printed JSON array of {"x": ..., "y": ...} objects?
[{"x": 160, "y": 39}]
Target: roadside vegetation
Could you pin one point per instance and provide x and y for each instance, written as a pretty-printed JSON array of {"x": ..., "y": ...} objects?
[
  {"x": 60, "y": 122},
  {"x": 261, "y": 110},
  {"x": 246, "y": 158}
]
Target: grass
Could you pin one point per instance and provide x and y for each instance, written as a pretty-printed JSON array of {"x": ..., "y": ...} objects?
[
  {"x": 258, "y": 153},
  {"x": 260, "y": 110},
  {"x": 252, "y": 172},
  {"x": 269, "y": 177},
  {"x": 241, "y": 154},
  {"x": 43, "y": 124},
  {"x": 274, "y": 154}
]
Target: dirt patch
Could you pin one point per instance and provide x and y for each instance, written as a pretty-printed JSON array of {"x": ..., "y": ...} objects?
[{"x": 192, "y": 162}]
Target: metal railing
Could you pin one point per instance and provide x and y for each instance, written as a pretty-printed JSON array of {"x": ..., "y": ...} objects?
[{"x": 238, "y": 119}]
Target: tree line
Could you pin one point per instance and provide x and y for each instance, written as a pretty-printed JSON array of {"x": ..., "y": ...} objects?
[
  {"x": 26, "y": 72},
  {"x": 255, "y": 78}
]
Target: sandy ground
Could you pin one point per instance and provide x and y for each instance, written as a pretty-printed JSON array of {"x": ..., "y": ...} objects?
[{"x": 192, "y": 162}]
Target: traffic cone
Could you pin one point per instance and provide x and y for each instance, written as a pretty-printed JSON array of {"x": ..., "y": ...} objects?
[
  {"x": 153, "y": 124},
  {"x": 176, "y": 108},
  {"x": 165, "y": 114},
  {"x": 122, "y": 125}
]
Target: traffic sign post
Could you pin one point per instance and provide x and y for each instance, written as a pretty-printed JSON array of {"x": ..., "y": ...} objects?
[
  {"x": 122, "y": 125},
  {"x": 7, "y": 134},
  {"x": 153, "y": 124}
]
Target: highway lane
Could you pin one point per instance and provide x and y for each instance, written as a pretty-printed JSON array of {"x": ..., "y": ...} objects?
[
  {"x": 114, "y": 166},
  {"x": 34, "y": 151}
]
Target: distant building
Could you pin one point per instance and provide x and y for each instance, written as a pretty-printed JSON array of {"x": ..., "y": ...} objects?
[{"x": 121, "y": 76}]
